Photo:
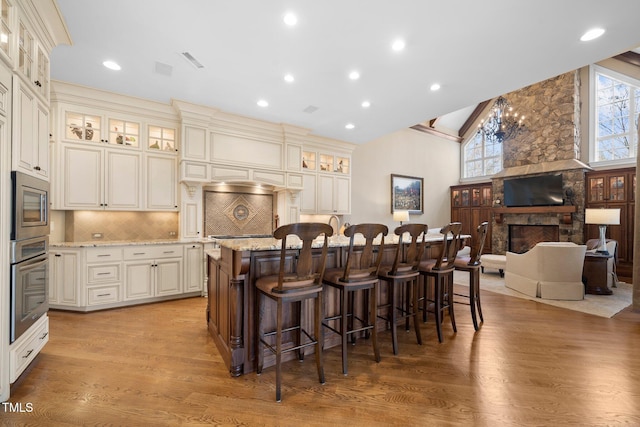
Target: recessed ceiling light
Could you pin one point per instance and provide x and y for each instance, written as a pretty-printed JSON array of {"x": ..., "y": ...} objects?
[
  {"x": 262, "y": 103},
  {"x": 592, "y": 34},
  {"x": 349, "y": 126},
  {"x": 112, "y": 65},
  {"x": 290, "y": 19},
  {"x": 366, "y": 104},
  {"x": 354, "y": 75},
  {"x": 398, "y": 45},
  {"x": 288, "y": 78},
  {"x": 435, "y": 86}
]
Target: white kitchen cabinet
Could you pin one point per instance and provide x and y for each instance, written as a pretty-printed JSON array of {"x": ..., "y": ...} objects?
[
  {"x": 161, "y": 181},
  {"x": 103, "y": 271},
  {"x": 193, "y": 267},
  {"x": 65, "y": 276},
  {"x": 152, "y": 271},
  {"x": 32, "y": 60},
  {"x": 27, "y": 346},
  {"x": 196, "y": 143},
  {"x": 98, "y": 178},
  {"x": 333, "y": 194},
  {"x": 30, "y": 153},
  {"x": 308, "y": 203},
  {"x": 94, "y": 126}
]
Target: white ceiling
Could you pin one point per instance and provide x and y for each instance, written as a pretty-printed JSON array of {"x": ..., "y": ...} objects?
[{"x": 475, "y": 49}]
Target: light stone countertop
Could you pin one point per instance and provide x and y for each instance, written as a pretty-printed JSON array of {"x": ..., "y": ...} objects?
[
  {"x": 269, "y": 243},
  {"x": 98, "y": 243}
]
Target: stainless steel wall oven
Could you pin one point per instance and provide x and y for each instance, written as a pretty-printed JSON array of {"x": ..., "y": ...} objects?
[{"x": 29, "y": 283}]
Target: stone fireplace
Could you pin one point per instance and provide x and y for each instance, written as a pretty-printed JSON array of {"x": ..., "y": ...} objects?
[{"x": 550, "y": 144}]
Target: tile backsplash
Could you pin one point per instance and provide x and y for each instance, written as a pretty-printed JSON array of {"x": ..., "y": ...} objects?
[
  {"x": 237, "y": 213},
  {"x": 84, "y": 226}
]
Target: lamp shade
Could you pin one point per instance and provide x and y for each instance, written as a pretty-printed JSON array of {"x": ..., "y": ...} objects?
[
  {"x": 602, "y": 216},
  {"x": 401, "y": 216}
]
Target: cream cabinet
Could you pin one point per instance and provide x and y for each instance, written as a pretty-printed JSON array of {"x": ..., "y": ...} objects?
[
  {"x": 193, "y": 267},
  {"x": 26, "y": 347},
  {"x": 103, "y": 271},
  {"x": 93, "y": 126},
  {"x": 333, "y": 194},
  {"x": 161, "y": 180},
  {"x": 308, "y": 203},
  {"x": 152, "y": 271},
  {"x": 64, "y": 274},
  {"x": 30, "y": 152},
  {"x": 97, "y": 178}
]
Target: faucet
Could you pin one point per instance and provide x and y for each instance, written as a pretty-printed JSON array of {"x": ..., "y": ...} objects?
[{"x": 337, "y": 229}]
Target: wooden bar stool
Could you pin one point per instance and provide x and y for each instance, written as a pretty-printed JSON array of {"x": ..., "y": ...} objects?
[
  {"x": 359, "y": 274},
  {"x": 471, "y": 263},
  {"x": 294, "y": 284},
  {"x": 403, "y": 275},
  {"x": 437, "y": 275}
]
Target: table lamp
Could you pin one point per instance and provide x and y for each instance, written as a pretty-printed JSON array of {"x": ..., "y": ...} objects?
[
  {"x": 401, "y": 216},
  {"x": 602, "y": 218}
]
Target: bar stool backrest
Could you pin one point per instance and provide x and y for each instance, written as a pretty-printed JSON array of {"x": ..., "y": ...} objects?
[
  {"x": 368, "y": 264},
  {"x": 408, "y": 260}
]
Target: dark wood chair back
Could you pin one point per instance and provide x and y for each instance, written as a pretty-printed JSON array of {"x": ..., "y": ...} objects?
[
  {"x": 409, "y": 260},
  {"x": 450, "y": 246},
  {"x": 368, "y": 264},
  {"x": 306, "y": 272},
  {"x": 476, "y": 251}
]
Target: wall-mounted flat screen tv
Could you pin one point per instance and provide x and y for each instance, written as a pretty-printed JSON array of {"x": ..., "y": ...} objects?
[{"x": 542, "y": 190}]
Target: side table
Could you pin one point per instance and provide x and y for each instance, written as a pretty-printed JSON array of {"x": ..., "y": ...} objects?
[{"x": 594, "y": 274}]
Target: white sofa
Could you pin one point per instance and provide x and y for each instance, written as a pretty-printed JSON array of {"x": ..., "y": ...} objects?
[{"x": 550, "y": 270}]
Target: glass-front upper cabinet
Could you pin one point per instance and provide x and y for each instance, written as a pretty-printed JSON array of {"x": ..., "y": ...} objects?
[
  {"x": 5, "y": 30},
  {"x": 42, "y": 72},
  {"x": 82, "y": 127},
  {"x": 596, "y": 189},
  {"x": 342, "y": 165},
  {"x": 616, "y": 188},
  {"x": 123, "y": 133},
  {"x": 309, "y": 160},
  {"x": 25, "y": 50},
  {"x": 326, "y": 162},
  {"x": 161, "y": 138}
]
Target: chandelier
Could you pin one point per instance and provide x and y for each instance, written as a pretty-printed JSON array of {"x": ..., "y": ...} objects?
[{"x": 502, "y": 123}]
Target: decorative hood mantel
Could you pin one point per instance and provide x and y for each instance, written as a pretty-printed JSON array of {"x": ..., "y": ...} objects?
[{"x": 545, "y": 167}]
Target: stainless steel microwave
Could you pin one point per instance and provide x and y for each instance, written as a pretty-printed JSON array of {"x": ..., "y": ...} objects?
[{"x": 30, "y": 205}]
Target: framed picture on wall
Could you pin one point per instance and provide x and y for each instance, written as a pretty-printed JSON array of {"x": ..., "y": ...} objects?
[{"x": 407, "y": 194}]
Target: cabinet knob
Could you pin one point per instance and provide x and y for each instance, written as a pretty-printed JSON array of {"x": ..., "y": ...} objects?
[
  {"x": 37, "y": 168},
  {"x": 37, "y": 83}
]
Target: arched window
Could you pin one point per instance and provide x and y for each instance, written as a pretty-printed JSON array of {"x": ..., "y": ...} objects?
[{"x": 481, "y": 157}]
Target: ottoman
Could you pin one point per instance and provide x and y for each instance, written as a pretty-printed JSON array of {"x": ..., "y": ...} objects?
[{"x": 497, "y": 262}]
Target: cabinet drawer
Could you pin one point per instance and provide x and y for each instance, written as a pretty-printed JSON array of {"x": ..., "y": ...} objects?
[
  {"x": 104, "y": 254},
  {"x": 152, "y": 252},
  {"x": 103, "y": 295},
  {"x": 23, "y": 351},
  {"x": 101, "y": 273}
]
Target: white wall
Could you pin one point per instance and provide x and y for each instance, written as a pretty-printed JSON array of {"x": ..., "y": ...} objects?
[{"x": 406, "y": 152}]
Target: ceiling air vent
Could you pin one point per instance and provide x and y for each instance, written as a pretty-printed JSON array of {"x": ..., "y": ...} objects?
[
  {"x": 310, "y": 109},
  {"x": 193, "y": 60},
  {"x": 164, "y": 69}
]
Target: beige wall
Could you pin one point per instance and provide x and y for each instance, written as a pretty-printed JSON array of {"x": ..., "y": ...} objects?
[{"x": 406, "y": 152}]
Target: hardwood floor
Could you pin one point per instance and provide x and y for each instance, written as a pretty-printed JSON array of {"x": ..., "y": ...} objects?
[{"x": 529, "y": 364}]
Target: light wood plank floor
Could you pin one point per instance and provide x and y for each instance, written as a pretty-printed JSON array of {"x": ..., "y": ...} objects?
[{"x": 155, "y": 365}]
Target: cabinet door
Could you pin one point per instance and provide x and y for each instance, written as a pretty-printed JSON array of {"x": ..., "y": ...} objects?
[
  {"x": 65, "y": 278},
  {"x": 161, "y": 182},
  {"x": 325, "y": 194},
  {"x": 193, "y": 256},
  {"x": 308, "y": 195},
  {"x": 122, "y": 182},
  {"x": 24, "y": 128},
  {"x": 342, "y": 195},
  {"x": 195, "y": 142},
  {"x": 83, "y": 174},
  {"x": 168, "y": 277},
  {"x": 138, "y": 279},
  {"x": 41, "y": 141}
]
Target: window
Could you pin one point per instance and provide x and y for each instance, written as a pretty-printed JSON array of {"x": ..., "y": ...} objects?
[
  {"x": 481, "y": 157},
  {"x": 616, "y": 102}
]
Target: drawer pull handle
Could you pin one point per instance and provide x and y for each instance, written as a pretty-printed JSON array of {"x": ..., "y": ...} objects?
[
  {"x": 139, "y": 253},
  {"x": 103, "y": 255},
  {"x": 103, "y": 295},
  {"x": 28, "y": 354},
  {"x": 103, "y": 274},
  {"x": 44, "y": 335},
  {"x": 168, "y": 252}
]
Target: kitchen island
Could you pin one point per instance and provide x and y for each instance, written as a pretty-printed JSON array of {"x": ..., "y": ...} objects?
[{"x": 232, "y": 273}]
